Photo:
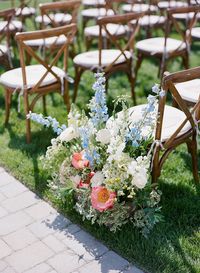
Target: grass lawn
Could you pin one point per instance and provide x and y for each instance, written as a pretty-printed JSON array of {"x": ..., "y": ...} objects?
[{"x": 174, "y": 245}]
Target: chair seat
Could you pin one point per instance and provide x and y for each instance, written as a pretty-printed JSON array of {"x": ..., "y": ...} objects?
[
  {"x": 13, "y": 26},
  {"x": 47, "y": 42},
  {"x": 173, "y": 118},
  {"x": 138, "y": 8},
  {"x": 156, "y": 45},
  {"x": 91, "y": 58},
  {"x": 170, "y": 4},
  {"x": 95, "y": 12},
  {"x": 196, "y": 32},
  {"x": 114, "y": 29},
  {"x": 3, "y": 50},
  {"x": 26, "y": 11},
  {"x": 185, "y": 16},
  {"x": 190, "y": 90},
  {"x": 93, "y": 3},
  {"x": 13, "y": 78},
  {"x": 58, "y": 18},
  {"x": 150, "y": 20}
]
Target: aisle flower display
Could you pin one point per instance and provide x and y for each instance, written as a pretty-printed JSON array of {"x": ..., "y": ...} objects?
[{"x": 102, "y": 164}]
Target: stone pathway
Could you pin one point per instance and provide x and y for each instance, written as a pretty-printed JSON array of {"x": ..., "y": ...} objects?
[{"x": 34, "y": 238}]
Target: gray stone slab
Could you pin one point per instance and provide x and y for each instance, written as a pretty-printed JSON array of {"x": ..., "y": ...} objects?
[
  {"x": 2, "y": 170},
  {"x": 2, "y": 197},
  {"x": 3, "y": 265},
  {"x": 28, "y": 257},
  {"x": 40, "y": 210},
  {"x": 3, "y": 212},
  {"x": 85, "y": 245},
  {"x": 5, "y": 250},
  {"x": 40, "y": 268},
  {"x": 12, "y": 189},
  {"x": 13, "y": 222},
  {"x": 21, "y": 201},
  {"x": 63, "y": 233},
  {"x": 66, "y": 262},
  {"x": 108, "y": 263},
  {"x": 52, "y": 242},
  {"x": 20, "y": 239},
  {"x": 6, "y": 178},
  {"x": 9, "y": 270}
]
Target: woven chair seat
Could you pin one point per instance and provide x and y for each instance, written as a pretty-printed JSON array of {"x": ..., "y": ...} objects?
[
  {"x": 156, "y": 45},
  {"x": 138, "y": 8},
  {"x": 151, "y": 20},
  {"x": 93, "y": 2},
  {"x": 114, "y": 29},
  {"x": 173, "y": 118},
  {"x": 190, "y": 90},
  {"x": 90, "y": 59},
  {"x": 47, "y": 42},
  {"x": 196, "y": 32},
  {"x": 96, "y": 13},
  {"x": 13, "y": 78},
  {"x": 171, "y": 4},
  {"x": 26, "y": 11},
  {"x": 13, "y": 26},
  {"x": 57, "y": 18}
]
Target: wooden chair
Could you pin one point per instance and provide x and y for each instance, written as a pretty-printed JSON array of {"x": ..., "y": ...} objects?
[
  {"x": 91, "y": 33},
  {"x": 54, "y": 15},
  {"x": 7, "y": 29},
  {"x": 152, "y": 19},
  {"x": 24, "y": 10},
  {"x": 39, "y": 79},
  {"x": 165, "y": 48},
  {"x": 174, "y": 126},
  {"x": 58, "y": 13},
  {"x": 185, "y": 119},
  {"x": 164, "y": 5},
  {"x": 109, "y": 60}
]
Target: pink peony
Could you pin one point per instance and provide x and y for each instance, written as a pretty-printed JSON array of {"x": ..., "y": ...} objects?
[
  {"x": 78, "y": 161},
  {"x": 86, "y": 183},
  {"x": 102, "y": 199}
]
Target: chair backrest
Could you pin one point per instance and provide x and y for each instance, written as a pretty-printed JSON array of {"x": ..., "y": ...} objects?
[
  {"x": 5, "y": 33},
  {"x": 70, "y": 7},
  {"x": 122, "y": 20},
  {"x": 183, "y": 29},
  {"x": 67, "y": 31},
  {"x": 169, "y": 82}
]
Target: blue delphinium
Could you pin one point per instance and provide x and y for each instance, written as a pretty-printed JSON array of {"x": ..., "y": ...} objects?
[{"x": 97, "y": 105}]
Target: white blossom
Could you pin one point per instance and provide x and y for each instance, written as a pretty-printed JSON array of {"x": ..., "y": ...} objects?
[
  {"x": 68, "y": 134},
  {"x": 97, "y": 179},
  {"x": 103, "y": 136}
]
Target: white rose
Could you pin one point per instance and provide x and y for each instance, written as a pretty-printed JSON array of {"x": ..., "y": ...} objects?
[
  {"x": 68, "y": 134},
  {"x": 75, "y": 179},
  {"x": 97, "y": 179},
  {"x": 140, "y": 178},
  {"x": 103, "y": 136}
]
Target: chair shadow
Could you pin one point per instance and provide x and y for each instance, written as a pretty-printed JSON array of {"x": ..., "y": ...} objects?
[{"x": 34, "y": 150}]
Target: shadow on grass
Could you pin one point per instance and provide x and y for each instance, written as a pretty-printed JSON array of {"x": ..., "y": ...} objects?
[{"x": 33, "y": 151}]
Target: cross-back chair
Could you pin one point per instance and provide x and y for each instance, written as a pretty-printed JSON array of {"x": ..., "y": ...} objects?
[
  {"x": 164, "y": 5},
  {"x": 7, "y": 29},
  {"x": 35, "y": 81},
  {"x": 166, "y": 48},
  {"x": 55, "y": 14},
  {"x": 152, "y": 19},
  {"x": 92, "y": 3},
  {"x": 25, "y": 10},
  {"x": 91, "y": 33},
  {"x": 184, "y": 122},
  {"x": 117, "y": 58},
  {"x": 139, "y": 6},
  {"x": 58, "y": 13}
]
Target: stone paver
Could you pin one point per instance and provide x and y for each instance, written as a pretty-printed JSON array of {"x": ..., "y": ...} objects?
[{"x": 34, "y": 238}]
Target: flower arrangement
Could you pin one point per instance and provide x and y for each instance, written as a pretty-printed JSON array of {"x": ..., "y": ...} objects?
[{"x": 102, "y": 165}]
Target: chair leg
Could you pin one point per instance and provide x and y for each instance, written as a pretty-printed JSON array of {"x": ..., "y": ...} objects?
[
  {"x": 186, "y": 61},
  {"x": 192, "y": 148},
  {"x": 7, "y": 105},
  {"x": 28, "y": 122},
  {"x": 44, "y": 104},
  {"x": 132, "y": 83},
  {"x": 78, "y": 72},
  {"x": 66, "y": 95},
  {"x": 138, "y": 64},
  {"x": 155, "y": 173}
]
